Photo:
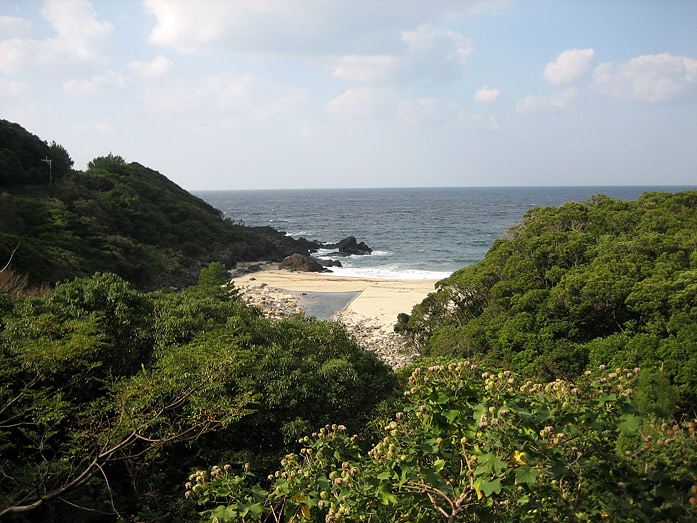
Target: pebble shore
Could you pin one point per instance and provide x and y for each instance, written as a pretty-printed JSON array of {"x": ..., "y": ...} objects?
[{"x": 389, "y": 346}]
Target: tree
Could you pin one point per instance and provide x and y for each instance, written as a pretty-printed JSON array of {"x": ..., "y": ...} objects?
[
  {"x": 574, "y": 285},
  {"x": 109, "y": 395},
  {"x": 62, "y": 163},
  {"x": 108, "y": 162},
  {"x": 84, "y": 397}
]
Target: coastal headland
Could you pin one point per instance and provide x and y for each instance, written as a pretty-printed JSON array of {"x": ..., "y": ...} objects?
[{"x": 368, "y": 307}]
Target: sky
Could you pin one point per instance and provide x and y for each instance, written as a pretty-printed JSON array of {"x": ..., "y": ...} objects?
[{"x": 277, "y": 94}]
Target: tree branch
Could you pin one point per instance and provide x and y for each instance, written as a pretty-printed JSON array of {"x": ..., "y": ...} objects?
[{"x": 11, "y": 256}]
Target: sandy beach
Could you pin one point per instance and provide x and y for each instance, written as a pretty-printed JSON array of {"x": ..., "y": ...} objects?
[{"x": 368, "y": 307}]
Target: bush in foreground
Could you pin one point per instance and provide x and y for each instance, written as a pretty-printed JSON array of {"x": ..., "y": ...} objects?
[
  {"x": 109, "y": 395},
  {"x": 475, "y": 446}
]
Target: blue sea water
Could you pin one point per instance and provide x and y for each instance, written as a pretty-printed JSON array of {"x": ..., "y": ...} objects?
[{"x": 415, "y": 233}]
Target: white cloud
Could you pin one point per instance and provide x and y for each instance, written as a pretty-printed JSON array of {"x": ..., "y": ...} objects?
[
  {"x": 80, "y": 34},
  {"x": 648, "y": 78},
  {"x": 243, "y": 25},
  {"x": 14, "y": 27},
  {"x": 158, "y": 66},
  {"x": 554, "y": 102},
  {"x": 485, "y": 95},
  {"x": 110, "y": 79},
  {"x": 380, "y": 104},
  {"x": 420, "y": 111},
  {"x": 364, "y": 104},
  {"x": 285, "y": 104},
  {"x": 15, "y": 53},
  {"x": 365, "y": 69},
  {"x": 229, "y": 98},
  {"x": 90, "y": 128},
  {"x": 282, "y": 27},
  {"x": 429, "y": 55},
  {"x": 79, "y": 38},
  {"x": 169, "y": 99},
  {"x": 438, "y": 54},
  {"x": 570, "y": 66},
  {"x": 484, "y": 123},
  {"x": 306, "y": 129},
  {"x": 12, "y": 88},
  {"x": 233, "y": 93}
]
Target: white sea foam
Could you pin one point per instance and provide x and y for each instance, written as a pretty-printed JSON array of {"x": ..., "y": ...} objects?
[
  {"x": 298, "y": 234},
  {"x": 387, "y": 272},
  {"x": 324, "y": 254}
]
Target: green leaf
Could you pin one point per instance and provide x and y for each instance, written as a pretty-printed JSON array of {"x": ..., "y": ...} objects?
[
  {"x": 629, "y": 424},
  {"x": 428, "y": 448},
  {"x": 478, "y": 410},
  {"x": 489, "y": 463},
  {"x": 259, "y": 493},
  {"x": 434, "y": 479},
  {"x": 604, "y": 398},
  {"x": 245, "y": 508},
  {"x": 323, "y": 482},
  {"x": 256, "y": 509},
  {"x": 407, "y": 473},
  {"x": 526, "y": 474},
  {"x": 490, "y": 487},
  {"x": 225, "y": 513},
  {"x": 385, "y": 494},
  {"x": 439, "y": 464},
  {"x": 384, "y": 475},
  {"x": 451, "y": 415}
]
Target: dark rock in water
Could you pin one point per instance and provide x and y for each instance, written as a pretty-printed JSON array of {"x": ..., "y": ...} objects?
[
  {"x": 349, "y": 246},
  {"x": 277, "y": 244},
  {"x": 330, "y": 263},
  {"x": 301, "y": 262}
]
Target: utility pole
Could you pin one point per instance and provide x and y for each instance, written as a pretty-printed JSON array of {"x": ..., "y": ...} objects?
[{"x": 50, "y": 170}]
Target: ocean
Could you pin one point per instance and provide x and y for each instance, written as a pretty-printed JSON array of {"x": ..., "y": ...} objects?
[{"x": 415, "y": 233}]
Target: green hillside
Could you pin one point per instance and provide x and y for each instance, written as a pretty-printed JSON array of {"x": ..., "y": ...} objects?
[
  {"x": 603, "y": 282},
  {"x": 115, "y": 217}
]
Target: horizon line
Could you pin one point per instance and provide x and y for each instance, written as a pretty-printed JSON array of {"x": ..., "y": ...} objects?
[{"x": 451, "y": 187}]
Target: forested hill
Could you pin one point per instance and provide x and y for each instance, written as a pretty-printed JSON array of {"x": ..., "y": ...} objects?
[
  {"x": 115, "y": 217},
  {"x": 570, "y": 288}
]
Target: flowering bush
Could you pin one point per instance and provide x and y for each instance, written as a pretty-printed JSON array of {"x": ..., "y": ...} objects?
[{"x": 481, "y": 446}]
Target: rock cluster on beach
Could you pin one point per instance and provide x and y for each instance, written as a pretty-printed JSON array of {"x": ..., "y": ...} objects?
[
  {"x": 389, "y": 346},
  {"x": 301, "y": 262}
]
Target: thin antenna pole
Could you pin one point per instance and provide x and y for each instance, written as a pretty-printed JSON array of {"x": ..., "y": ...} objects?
[{"x": 50, "y": 170}]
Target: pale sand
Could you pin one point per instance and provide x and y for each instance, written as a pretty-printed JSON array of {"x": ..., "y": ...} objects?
[{"x": 379, "y": 301}]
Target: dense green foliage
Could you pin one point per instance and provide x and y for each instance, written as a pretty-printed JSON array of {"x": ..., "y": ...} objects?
[
  {"x": 474, "y": 446},
  {"x": 107, "y": 163},
  {"x": 22, "y": 155},
  {"x": 605, "y": 281},
  {"x": 111, "y": 397},
  {"x": 116, "y": 217},
  {"x": 131, "y": 221},
  {"x": 108, "y": 396}
]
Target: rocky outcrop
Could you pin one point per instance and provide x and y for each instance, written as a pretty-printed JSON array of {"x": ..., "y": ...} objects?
[
  {"x": 351, "y": 246},
  {"x": 301, "y": 262},
  {"x": 330, "y": 263},
  {"x": 348, "y": 247},
  {"x": 277, "y": 244}
]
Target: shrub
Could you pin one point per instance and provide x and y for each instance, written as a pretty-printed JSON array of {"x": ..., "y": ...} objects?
[{"x": 481, "y": 446}]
